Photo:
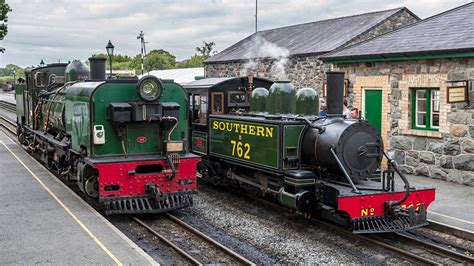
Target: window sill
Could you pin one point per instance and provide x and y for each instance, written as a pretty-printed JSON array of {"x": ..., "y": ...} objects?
[{"x": 423, "y": 133}]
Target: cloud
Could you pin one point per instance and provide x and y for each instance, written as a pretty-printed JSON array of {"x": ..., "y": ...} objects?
[{"x": 75, "y": 29}]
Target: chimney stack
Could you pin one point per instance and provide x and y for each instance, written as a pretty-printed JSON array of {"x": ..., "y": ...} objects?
[
  {"x": 97, "y": 66},
  {"x": 335, "y": 93}
]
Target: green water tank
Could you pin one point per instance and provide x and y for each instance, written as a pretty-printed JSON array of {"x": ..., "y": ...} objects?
[
  {"x": 281, "y": 98},
  {"x": 307, "y": 102},
  {"x": 258, "y": 100},
  {"x": 77, "y": 70}
]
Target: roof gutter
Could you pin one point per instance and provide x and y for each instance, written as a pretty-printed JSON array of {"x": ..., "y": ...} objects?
[{"x": 381, "y": 58}]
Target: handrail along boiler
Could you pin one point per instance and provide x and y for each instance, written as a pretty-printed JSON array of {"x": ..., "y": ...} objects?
[{"x": 276, "y": 144}]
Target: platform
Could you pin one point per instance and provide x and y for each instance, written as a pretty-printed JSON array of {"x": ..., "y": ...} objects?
[
  {"x": 7, "y": 96},
  {"x": 453, "y": 204},
  {"x": 43, "y": 222}
]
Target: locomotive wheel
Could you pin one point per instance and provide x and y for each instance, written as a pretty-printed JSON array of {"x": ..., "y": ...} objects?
[{"x": 91, "y": 187}]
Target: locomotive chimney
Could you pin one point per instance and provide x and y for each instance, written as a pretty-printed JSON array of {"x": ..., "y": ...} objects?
[
  {"x": 335, "y": 93},
  {"x": 97, "y": 66}
]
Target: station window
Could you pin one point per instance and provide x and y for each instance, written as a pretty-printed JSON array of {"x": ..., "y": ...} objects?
[{"x": 425, "y": 108}]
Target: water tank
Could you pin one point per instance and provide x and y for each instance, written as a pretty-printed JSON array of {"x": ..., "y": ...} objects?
[
  {"x": 281, "y": 98},
  {"x": 76, "y": 70},
  {"x": 258, "y": 100},
  {"x": 307, "y": 102}
]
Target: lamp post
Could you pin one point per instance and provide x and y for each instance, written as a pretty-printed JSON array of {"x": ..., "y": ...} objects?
[{"x": 110, "y": 53}]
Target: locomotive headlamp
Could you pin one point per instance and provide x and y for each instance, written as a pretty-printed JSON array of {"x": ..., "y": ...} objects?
[{"x": 149, "y": 88}]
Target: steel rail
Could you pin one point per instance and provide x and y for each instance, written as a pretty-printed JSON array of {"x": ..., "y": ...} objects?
[
  {"x": 168, "y": 242},
  {"x": 8, "y": 124},
  {"x": 210, "y": 240},
  {"x": 439, "y": 250},
  {"x": 370, "y": 240},
  {"x": 8, "y": 106},
  {"x": 233, "y": 254}
]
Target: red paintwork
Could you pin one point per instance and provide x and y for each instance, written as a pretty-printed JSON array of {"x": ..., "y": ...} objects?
[
  {"x": 373, "y": 204},
  {"x": 132, "y": 185},
  {"x": 141, "y": 140}
]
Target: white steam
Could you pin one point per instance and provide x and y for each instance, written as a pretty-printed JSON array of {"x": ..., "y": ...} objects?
[{"x": 265, "y": 50}]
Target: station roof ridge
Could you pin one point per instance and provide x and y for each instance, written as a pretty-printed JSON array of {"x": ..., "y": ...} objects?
[{"x": 317, "y": 37}]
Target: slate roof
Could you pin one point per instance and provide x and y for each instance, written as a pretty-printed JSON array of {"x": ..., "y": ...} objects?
[
  {"x": 449, "y": 32},
  {"x": 309, "y": 38}
]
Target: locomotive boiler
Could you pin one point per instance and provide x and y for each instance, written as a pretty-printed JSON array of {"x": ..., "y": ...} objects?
[
  {"x": 121, "y": 141},
  {"x": 271, "y": 141}
]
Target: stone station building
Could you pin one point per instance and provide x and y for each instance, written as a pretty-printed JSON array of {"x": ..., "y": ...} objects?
[
  {"x": 402, "y": 81},
  {"x": 293, "y": 52}
]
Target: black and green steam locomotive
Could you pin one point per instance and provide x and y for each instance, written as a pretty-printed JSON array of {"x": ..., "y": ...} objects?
[
  {"x": 122, "y": 141},
  {"x": 268, "y": 138}
]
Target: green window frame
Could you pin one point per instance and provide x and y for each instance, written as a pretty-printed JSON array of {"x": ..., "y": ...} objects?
[{"x": 425, "y": 107}]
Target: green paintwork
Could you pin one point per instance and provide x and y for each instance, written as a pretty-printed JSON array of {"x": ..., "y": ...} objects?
[
  {"x": 140, "y": 138},
  {"x": 292, "y": 134},
  {"x": 175, "y": 93},
  {"x": 78, "y": 124},
  {"x": 199, "y": 142},
  {"x": 263, "y": 151},
  {"x": 397, "y": 58},
  {"x": 102, "y": 98},
  {"x": 150, "y": 131},
  {"x": 281, "y": 98},
  {"x": 428, "y": 109},
  {"x": 258, "y": 100},
  {"x": 373, "y": 108},
  {"x": 307, "y": 102},
  {"x": 20, "y": 107}
]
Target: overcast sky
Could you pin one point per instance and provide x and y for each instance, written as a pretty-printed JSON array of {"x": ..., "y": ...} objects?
[{"x": 75, "y": 29}]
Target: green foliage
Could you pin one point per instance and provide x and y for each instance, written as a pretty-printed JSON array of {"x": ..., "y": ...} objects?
[
  {"x": 7, "y": 71},
  {"x": 206, "y": 48},
  {"x": 195, "y": 61},
  {"x": 4, "y": 9},
  {"x": 159, "y": 59}
]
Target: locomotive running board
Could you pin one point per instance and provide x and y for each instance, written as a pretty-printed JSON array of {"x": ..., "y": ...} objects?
[
  {"x": 141, "y": 205},
  {"x": 383, "y": 225}
]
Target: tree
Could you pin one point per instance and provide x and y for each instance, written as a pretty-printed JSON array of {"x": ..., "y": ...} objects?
[
  {"x": 4, "y": 9},
  {"x": 206, "y": 48},
  {"x": 159, "y": 59},
  {"x": 119, "y": 62},
  {"x": 195, "y": 61}
]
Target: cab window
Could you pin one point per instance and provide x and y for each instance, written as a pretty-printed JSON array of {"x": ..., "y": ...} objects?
[{"x": 200, "y": 109}]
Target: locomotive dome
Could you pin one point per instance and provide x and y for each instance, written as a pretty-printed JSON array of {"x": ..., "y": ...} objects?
[
  {"x": 307, "y": 102},
  {"x": 281, "y": 98},
  {"x": 258, "y": 100},
  {"x": 77, "y": 70}
]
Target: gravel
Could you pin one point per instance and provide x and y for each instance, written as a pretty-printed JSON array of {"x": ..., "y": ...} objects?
[{"x": 285, "y": 237}]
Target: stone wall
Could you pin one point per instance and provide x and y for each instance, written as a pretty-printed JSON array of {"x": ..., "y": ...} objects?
[
  {"x": 302, "y": 71},
  {"x": 446, "y": 154}
]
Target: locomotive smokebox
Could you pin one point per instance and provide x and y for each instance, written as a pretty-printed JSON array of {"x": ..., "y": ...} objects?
[
  {"x": 335, "y": 93},
  {"x": 97, "y": 66}
]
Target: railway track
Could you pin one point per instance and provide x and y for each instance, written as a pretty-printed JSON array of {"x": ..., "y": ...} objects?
[
  {"x": 191, "y": 243},
  {"x": 408, "y": 245},
  {"x": 8, "y": 106},
  {"x": 8, "y": 124}
]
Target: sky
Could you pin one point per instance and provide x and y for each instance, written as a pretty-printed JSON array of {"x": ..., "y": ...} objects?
[{"x": 65, "y": 30}]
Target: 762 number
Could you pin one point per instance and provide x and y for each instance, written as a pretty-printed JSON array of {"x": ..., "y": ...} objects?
[{"x": 241, "y": 149}]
